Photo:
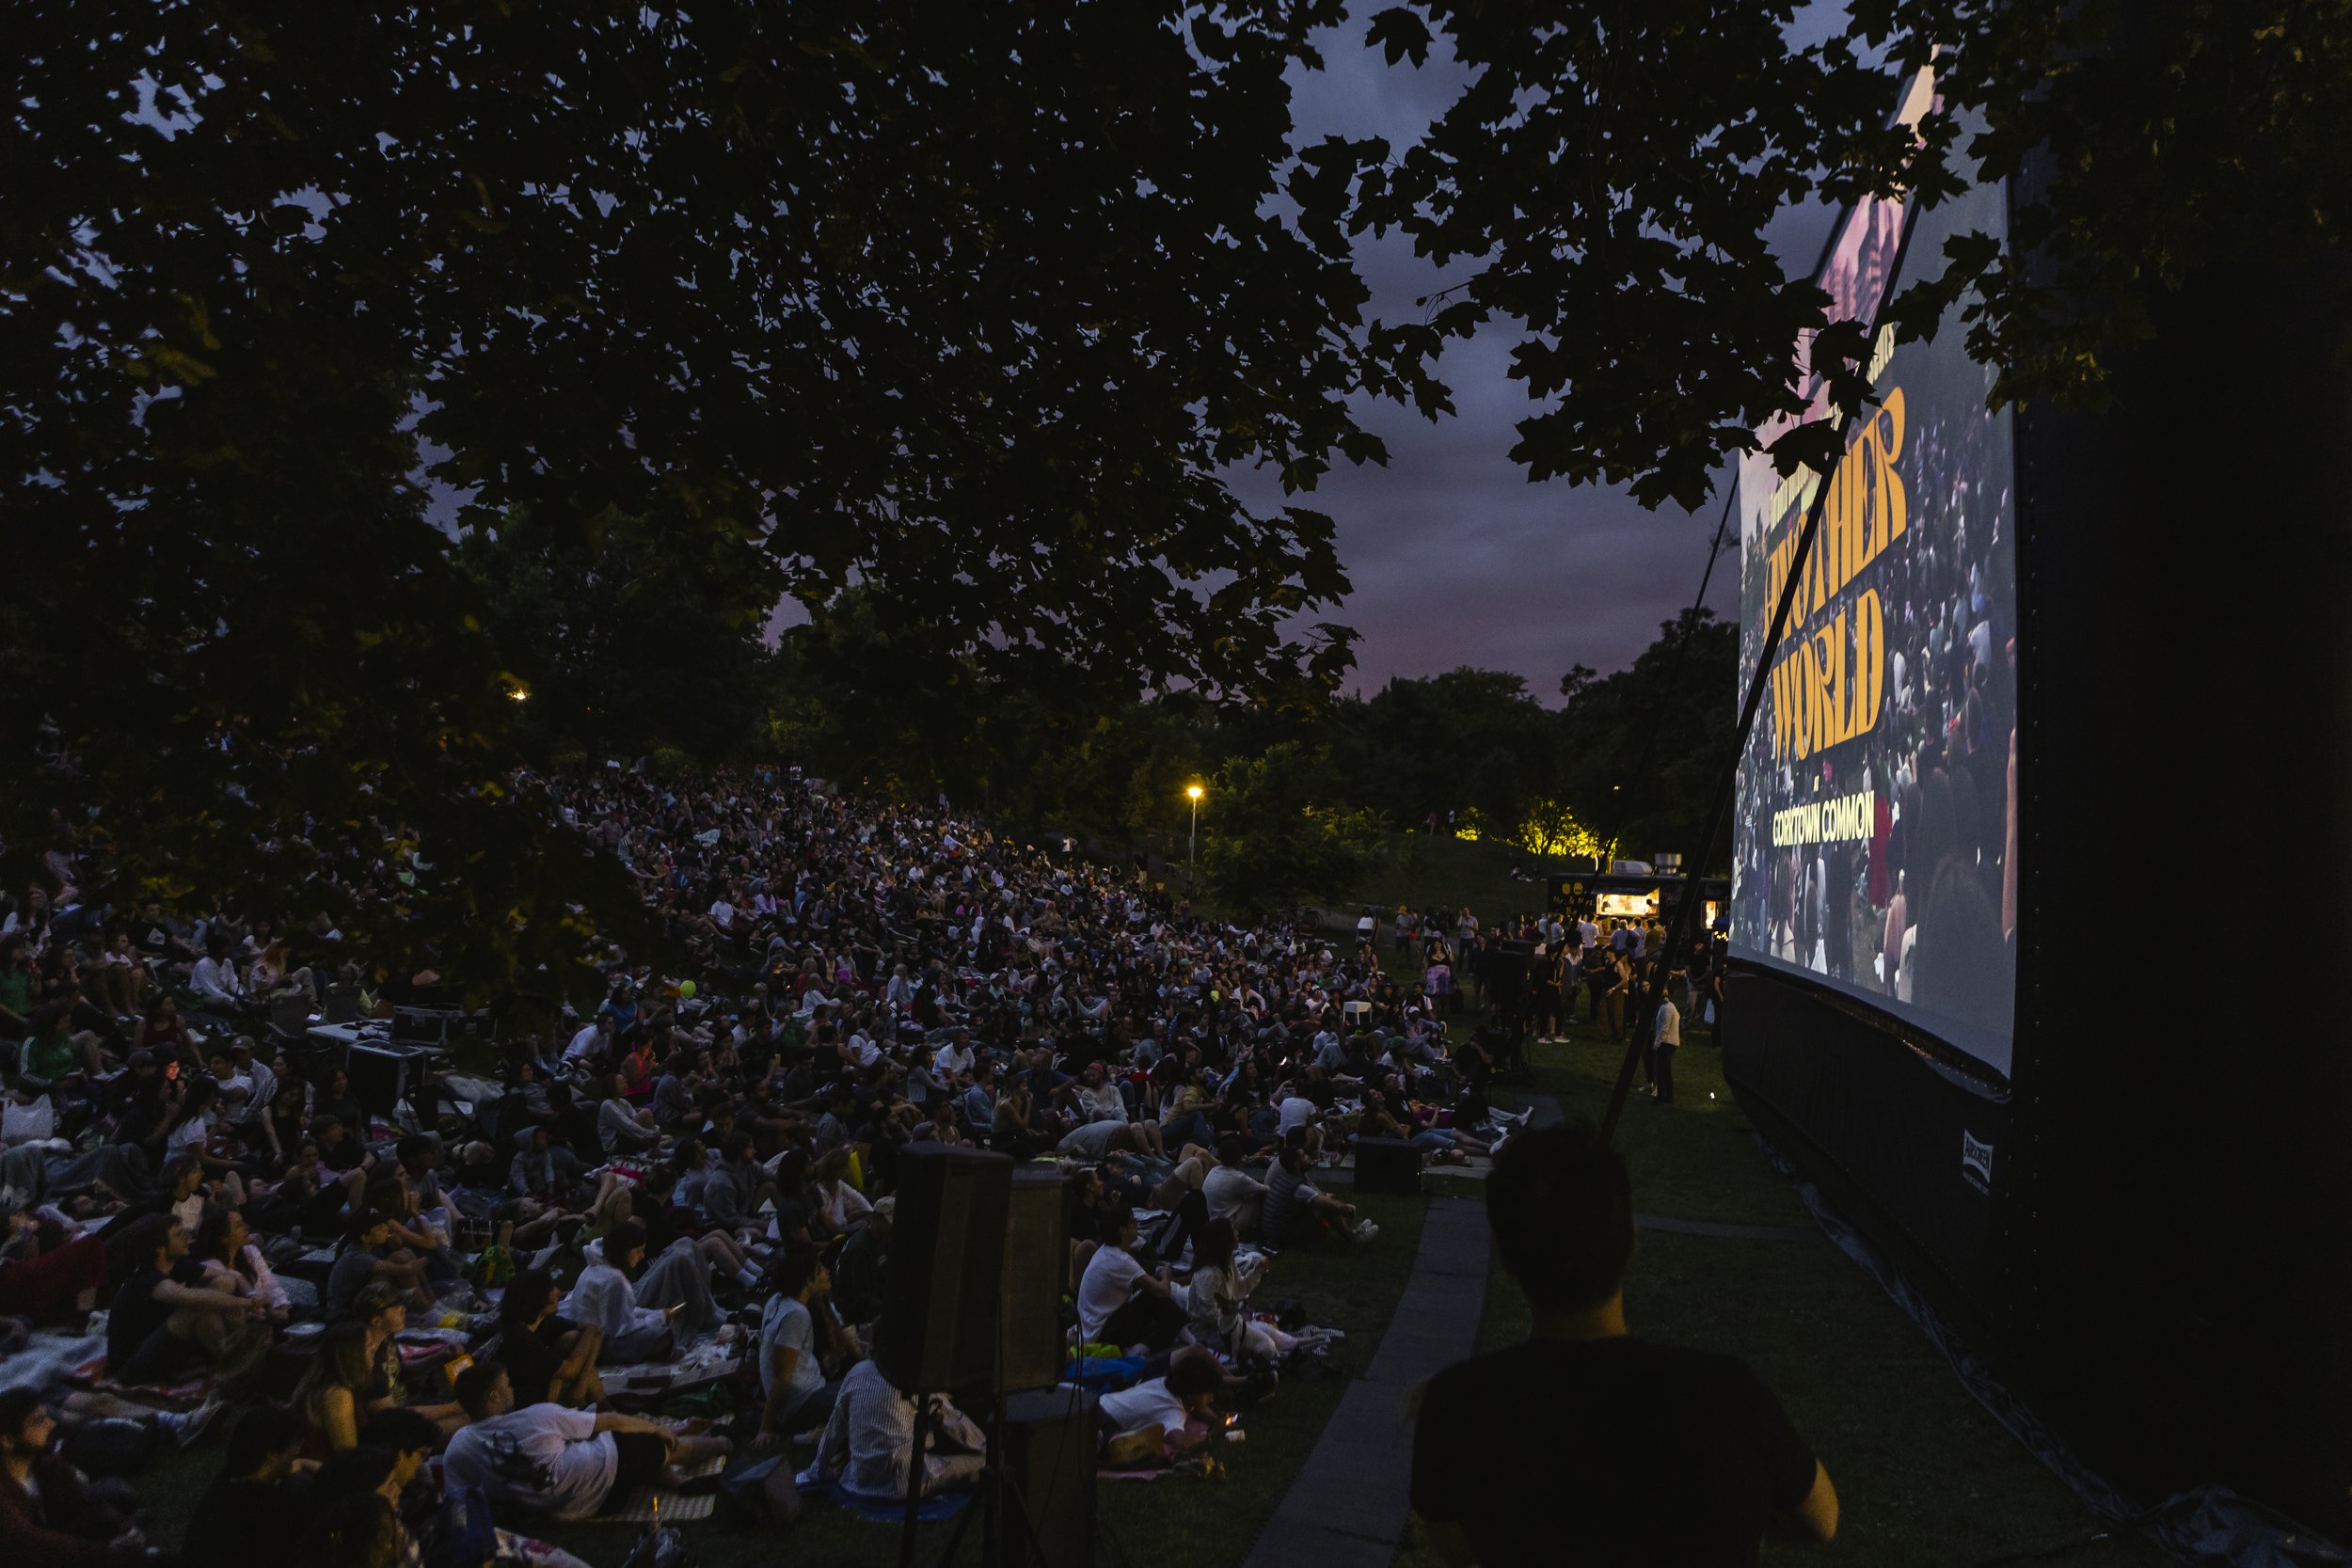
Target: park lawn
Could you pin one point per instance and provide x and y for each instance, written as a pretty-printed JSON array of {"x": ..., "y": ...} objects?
[
  {"x": 1178, "y": 1521},
  {"x": 1924, "y": 1475},
  {"x": 1439, "y": 871}
]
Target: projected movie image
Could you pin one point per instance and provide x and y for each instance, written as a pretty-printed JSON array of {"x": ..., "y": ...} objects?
[{"x": 1875, "y": 843}]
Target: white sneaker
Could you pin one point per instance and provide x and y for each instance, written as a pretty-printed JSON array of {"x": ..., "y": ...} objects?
[
  {"x": 190, "y": 1426},
  {"x": 1366, "y": 1231}
]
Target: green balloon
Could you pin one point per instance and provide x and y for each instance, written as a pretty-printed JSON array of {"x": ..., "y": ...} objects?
[{"x": 686, "y": 990}]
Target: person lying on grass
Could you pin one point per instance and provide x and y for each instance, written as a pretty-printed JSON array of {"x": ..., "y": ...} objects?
[
  {"x": 564, "y": 1463},
  {"x": 1152, "y": 1419}
]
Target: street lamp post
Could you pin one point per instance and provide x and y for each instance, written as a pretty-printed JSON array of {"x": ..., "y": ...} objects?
[{"x": 1192, "y": 843}]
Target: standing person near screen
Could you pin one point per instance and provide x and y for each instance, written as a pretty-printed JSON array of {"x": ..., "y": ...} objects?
[
  {"x": 1664, "y": 1041},
  {"x": 1587, "y": 1444}
]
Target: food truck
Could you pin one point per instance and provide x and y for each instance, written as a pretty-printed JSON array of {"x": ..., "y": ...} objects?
[{"x": 1637, "y": 889}]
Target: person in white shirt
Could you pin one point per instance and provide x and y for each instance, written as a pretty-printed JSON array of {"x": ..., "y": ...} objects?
[
  {"x": 216, "y": 981},
  {"x": 1155, "y": 1415},
  {"x": 954, "y": 1061},
  {"x": 593, "y": 1039},
  {"x": 1119, "y": 1302},
  {"x": 1663, "y": 1046},
  {"x": 1299, "y": 1112},
  {"x": 1099, "y": 1099},
  {"x": 561, "y": 1463},
  {"x": 604, "y": 1299}
]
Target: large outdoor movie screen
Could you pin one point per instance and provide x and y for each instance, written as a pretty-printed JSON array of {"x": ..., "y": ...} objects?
[{"x": 1876, "y": 841}]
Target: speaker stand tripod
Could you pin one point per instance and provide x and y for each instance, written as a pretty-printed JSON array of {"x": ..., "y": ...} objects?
[{"x": 995, "y": 1491}]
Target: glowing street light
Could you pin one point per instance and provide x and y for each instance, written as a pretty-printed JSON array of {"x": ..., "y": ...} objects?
[{"x": 1192, "y": 844}]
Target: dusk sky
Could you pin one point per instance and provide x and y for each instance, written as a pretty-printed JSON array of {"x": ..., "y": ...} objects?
[{"x": 1455, "y": 558}]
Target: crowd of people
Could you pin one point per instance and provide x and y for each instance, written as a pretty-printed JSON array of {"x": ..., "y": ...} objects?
[
  {"x": 394, "y": 1308},
  {"x": 1528, "y": 970}
]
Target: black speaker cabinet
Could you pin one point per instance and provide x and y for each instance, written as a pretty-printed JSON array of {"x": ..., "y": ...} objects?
[
  {"x": 380, "y": 1080},
  {"x": 1387, "y": 1166},
  {"x": 938, "y": 1330},
  {"x": 1048, "y": 1521},
  {"x": 1037, "y": 1257},
  {"x": 1506, "y": 970}
]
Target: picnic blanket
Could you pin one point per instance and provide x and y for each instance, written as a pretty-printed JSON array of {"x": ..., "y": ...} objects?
[
  {"x": 1102, "y": 1373},
  {"x": 880, "y": 1509},
  {"x": 49, "y": 1360},
  {"x": 187, "y": 1394},
  {"x": 647, "y": 1505}
]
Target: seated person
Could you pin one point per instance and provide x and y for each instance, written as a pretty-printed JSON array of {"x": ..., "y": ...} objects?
[
  {"x": 260, "y": 1481},
  {"x": 225, "y": 1251},
  {"x": 168, "y": 1323},
  {"x": 564, "y": 1463},
  {"x": 1551, "y": 1450},
  {"x": 1121, "y": 1304},
  {"x": 544, "y": 1173},
  {"x": 793, "y": 1339},
  {"x": 1152, "y": 1418},
  {"x": 400, "y": 1443},
  {"x": 1016, "y": 1126},
  {"x": 369, "y": 1256},
  {"x": 331, "y": 1397},
  {"x": 46, "y": 1517},
  {"x": 550, "y": 1358},
  {"x": 623, "y": 1129},
  {"x": 312, "y": 1196},
  {"x": 408, "y": 1439},
  {"x": 384, "y": 1311},
  {"x": 1215, "y": 1299},
  {"x": 1229, "y": 1191},
  {"x": 604, "y": 1298},
  {"x": 1448, "y": 1145},
  {"x": 47, "y": 1274},
  {"x": 857, "y": 1276},
  {"x": 1295, "y": 1210},
  {"x": 869, "y": 1441}
]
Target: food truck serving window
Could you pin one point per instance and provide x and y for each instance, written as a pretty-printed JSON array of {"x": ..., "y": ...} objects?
[{"x": 1627, "y": 906}]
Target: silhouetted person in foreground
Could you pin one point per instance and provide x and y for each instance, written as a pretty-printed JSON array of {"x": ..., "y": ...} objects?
[{"x": 1586, "y": 1444}]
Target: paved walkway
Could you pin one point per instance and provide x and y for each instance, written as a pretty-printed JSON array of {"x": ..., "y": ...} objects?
[{"x": 1346, "y": 1507}]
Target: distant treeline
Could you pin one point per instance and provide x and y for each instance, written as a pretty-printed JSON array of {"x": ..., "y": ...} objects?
[{"x": 621, "y": 664}]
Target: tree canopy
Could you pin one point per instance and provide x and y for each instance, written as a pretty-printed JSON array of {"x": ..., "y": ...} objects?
[
  {"x": 971, "y": 306},
  {"x": 1608, "y": 173},
  {"x": 364, "y": 370}
]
